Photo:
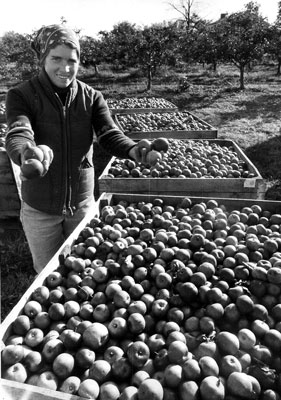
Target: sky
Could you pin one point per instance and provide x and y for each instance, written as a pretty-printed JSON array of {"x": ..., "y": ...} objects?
[{"x": 92, "y": 16}]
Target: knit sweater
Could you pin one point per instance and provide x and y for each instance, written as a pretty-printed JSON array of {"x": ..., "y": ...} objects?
[{"x": 36, "y": 114}]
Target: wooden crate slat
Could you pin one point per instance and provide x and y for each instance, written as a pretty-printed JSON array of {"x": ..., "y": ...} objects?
[{"x": 21, "y": 391}]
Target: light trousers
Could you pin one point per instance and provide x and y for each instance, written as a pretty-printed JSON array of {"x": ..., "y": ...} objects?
[{"x": 46, "y": 233}]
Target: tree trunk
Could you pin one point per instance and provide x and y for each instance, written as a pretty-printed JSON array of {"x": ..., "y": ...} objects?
[
  {"x": 96, "y": 69},
  {"x": 149, "y": 77},
  {"x": 242, "y": 87},
  {"x": 214, "y": 66}
]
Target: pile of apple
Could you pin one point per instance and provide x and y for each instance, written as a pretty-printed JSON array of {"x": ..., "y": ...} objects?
[
  {"x": 2, "y": 108},
  {"x": 177, "y": 158},
  {"x": 139, "y": 102},
  {"x": 3, "y": 130},
  {"x": 158, "y": 302},
  {"x": 160, "y": 121}
]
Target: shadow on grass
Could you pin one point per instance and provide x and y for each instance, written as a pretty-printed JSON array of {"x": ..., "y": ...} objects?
[
  {"x": 265, "y": 106},
  {"x": 266, "y": 156}
]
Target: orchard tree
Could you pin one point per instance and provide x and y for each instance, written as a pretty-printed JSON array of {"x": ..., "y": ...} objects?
[
  {"x": 91, "y": 52},
  {"x": 17, "y": 59},
  {"x": 245, "y": 37},
  {"x": 155, "y": 47},
  {"x": 118, "y": 45},
  {"x": 188, "y": 23},
  {"x": 208, "y": 45},
  {"x": 274, "y": 46}
]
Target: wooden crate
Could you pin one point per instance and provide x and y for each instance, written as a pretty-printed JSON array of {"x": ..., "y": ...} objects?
[
  {"x": 9, "y": 187},
  {"x": 208, "y": 132},
  {"x": 252, "y": 188},
  {"x": 18, "y": 391},
  {"x": 168, "y": 107}
]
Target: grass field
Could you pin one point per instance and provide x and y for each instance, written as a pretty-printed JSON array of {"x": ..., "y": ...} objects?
[{"x": 251, "y": 118}]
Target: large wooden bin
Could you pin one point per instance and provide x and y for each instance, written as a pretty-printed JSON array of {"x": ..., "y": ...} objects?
[
  {"x": 199, "y": 130},
  {"x": 11, "y": 390},
  {"x": 252, "y": 188},
  {"x": 135, "y": 105}
]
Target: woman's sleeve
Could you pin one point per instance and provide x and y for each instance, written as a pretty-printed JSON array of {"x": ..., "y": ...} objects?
[
  {"x": 19, "y": 130},
  {"x": 109, "y": 136}
]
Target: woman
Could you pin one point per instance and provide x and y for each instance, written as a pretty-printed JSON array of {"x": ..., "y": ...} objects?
[{"x": 62, "y": 116}]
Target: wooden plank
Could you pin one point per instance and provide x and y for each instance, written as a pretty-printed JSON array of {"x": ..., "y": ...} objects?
[{"x": 22, "y": 391}]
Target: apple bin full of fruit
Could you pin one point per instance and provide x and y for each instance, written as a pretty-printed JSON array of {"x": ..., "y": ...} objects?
[
  {"x": 164, "y": 123},
  {"x": 154, "y": 297},
  {"x": 197, "y": 167}
]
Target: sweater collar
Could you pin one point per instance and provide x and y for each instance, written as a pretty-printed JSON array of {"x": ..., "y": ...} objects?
[{"x": 49, "y": 87}]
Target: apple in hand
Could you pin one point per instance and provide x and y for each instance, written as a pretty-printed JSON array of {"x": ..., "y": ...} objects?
[
  {"x": 32, "y": 168},
  {"x": 33, "y": 152}
]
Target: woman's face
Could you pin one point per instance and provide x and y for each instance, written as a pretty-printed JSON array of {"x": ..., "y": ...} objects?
[{"x": 61, "y": 65}]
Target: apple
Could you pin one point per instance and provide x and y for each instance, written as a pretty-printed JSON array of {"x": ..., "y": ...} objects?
[
  {"x": 33, "y": 361},
  {"x": 160, "y": 144},
  {"x": 109, "y": 390},
  {"x": 11, "y": 354},
  {"x": 42, "y": 320},
  {"x": 117, "y": 327},
  {"x": 21, "y": 324},
  {"x": 229, "y": 364},
  {"x": 136, "y": 323},
  {"x": 15, "y": 372},
  {"x": 138, "y": 353},
  {"x": 84, "y": 357},
  {"x": 89, "y": 389},
  {"x": 33, "y": 152},
  {"x": 177, "y": 352},
  {"x": 63, "y": 365},
  {"x": 56, "y": 311},
  {"x": 72, "y": 308},
  {"x": 212, "y": 388},
  {"x": 47, "y": 379},
  {"x": 34, "y": 337},
  {"x": 227, "y": 342},
  {"x": 121, "y": 369},
  {"x": 41, "y": 294},
  {"x": 188, "y": 390},
  {"x": 129, "y": 393},
  {"x": 32, "y": 168},
  {"x": 70, "y": 339},
  {"x": 51, "y": 349},
  {"x": 32, "y": 308},
  {"x": 243, "y": 385},
  {"x": 100, "y": 371},
  {"x": 95, "y": 336},
  {"x": 54, "y": 279},
  {"x": 70, "y": 385},
  {"x": 112, "y": 353}
]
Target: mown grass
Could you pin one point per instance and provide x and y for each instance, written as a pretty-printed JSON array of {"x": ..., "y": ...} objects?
[{"x": 251, "y": 118}]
